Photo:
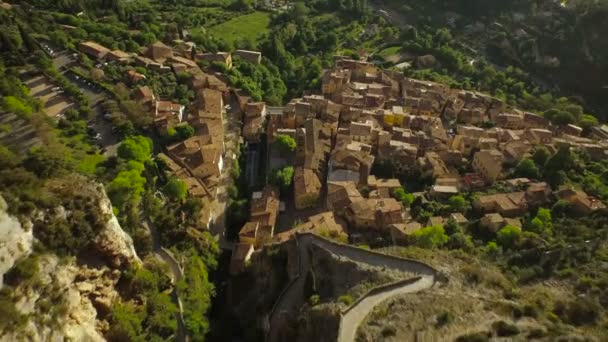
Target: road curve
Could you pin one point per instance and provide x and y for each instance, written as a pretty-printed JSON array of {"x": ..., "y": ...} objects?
[
  {"x": 356, "y": 314},
  {"x": 291, "y": 298}
]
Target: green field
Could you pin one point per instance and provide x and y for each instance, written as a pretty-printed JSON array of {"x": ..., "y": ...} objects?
[
  {"x": 251, "y": 26},
  {"x": 390, "y": 51}
]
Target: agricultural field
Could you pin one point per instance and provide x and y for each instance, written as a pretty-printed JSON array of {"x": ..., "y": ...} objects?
[{"x": 250, "y": 27}]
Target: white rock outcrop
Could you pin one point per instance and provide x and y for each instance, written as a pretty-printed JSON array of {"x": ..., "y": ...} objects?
[
  {"x": 15, "y": 240},
  {"x": 67, "y": 301},
  {"x": 113, "y": 242}
]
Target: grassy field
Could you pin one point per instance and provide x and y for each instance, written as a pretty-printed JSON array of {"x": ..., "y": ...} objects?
[
  {"x": 251, "y": 26},
  {"x": 390, "y": 51}
]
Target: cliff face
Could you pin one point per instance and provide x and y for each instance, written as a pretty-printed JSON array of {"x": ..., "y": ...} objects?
[
  {"x": 66, "y": 299},
  {"x": 15, "y": 240}
]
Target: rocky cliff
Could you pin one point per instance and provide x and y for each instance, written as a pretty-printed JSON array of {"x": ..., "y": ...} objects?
[{"x": 65, "y": 298}]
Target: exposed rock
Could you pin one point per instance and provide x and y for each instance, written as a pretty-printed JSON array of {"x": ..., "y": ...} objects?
[
  {"x": 113, "y": 242},
  {"x": 15, "y": 240},
  {"x": 426, "y": 61}
]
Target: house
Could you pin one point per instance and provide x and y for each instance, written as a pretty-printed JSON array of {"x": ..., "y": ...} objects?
[
  {"x": 307, "y": 188},
  {"x": 93, "y": 49},
  {"x": 340, "y": 195},
  {"x": 510, "y": 121},
  {"x": 323, "y": 223},
  {"x": 185, "y": 61},
  {"x": 164, "y": 109},
  {"x": 159, "y": 52},
  {"x": 459, "y": 218},
  {"x": 264, "y": 211},
  {"x": 255, "y": 110},
  {"x": 253, "y": 57},
  {"x": 345, "y": 164},
  {"x": 507, "y": 204},
  {"x": 135, "y": 77},
  {"x": 531, "y": 120},
  {"x": 241, "y": 253},
  {"x": 249, "y": 233},
  {"x": 488, "y": 163},
  {"x": 432, "y": 164},
  {"x": 571, "y": 129},
  {"x": 538, "y": 193},
  {"x": 119, "y": 56},
  {"x": 581, "y": 203},
  {"x": 401, "y": 232},
  {"x": 144, "y": 95},
  {"x": 375, "y": 213},
  {"x": 443, "y": 191},
  {"x": 374, "y": 183},
  {"x": 435, "y": 221},
  {"x": 494, "y": 222},
  {"x": 222, "y": 57}
]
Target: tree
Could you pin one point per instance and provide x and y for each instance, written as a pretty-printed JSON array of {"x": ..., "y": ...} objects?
[
  {"x": 14, "y": 105},
  {"x": 282, "y": 177},
  {"x": 403, "y": 196},
  {"x": 508, "y": 236},
  {"x": 286, "y": 144},
  {"x": 175, "y": 189},
  {"x": 431, "y": 237},
  {"x": 541, "y": 155},
  {"x": 527, "y": 168},
  {"x": 460, "y": 241},
  {"x": 457, "y": 203},
  {"x": 136, "y": 148}
]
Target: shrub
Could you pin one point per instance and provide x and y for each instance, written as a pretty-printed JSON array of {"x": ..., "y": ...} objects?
[
  {"x": 314, "y": 300},
  {"x": 346, "y": 300},
  {"x": 508, "y": 236},
  {"x": 286, "y": 143},
  {"x": 445, "y": 318},
  {"x": 388, "y": 331},
  {"x": 473, "y": 337},
  {"x": 431, "y": 237},
  {"x": 503, "y": 328}
]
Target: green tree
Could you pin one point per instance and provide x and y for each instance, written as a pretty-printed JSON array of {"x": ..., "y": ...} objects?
[
  {"x": 282, "y": 177},
  {"x": 175, "y": 189},
  {"x": 14, "y": 105},
  {"x": 458, "y": 203},
  {"x": 286, "y": 144},
  {"x": 541, "y": 155},
  {"x": 431, "y": 237},
  {"x": 126, "y": 187},
  {"x": 136, "y": 148},
  {"x": 527, "y": 168},
  {"x": 403, "y": 196},
  {"x": 508, "y": 236},
  {"x": 126, "y": 322}
]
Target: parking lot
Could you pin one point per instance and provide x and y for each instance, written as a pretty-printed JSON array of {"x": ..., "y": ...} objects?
[{"x": 55, "y": 102}]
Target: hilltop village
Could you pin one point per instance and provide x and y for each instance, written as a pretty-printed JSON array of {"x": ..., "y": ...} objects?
[{"x": 365, "y": 118}]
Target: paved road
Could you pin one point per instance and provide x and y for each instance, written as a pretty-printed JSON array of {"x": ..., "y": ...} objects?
[
  {"x": 351, "y": 320},
  {"x": 177, "y": 273},
  {"x": 292, "y": 297}
]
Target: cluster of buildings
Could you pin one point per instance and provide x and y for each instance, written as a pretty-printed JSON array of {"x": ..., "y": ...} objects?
[
  {"x": 198, "y": 161},
  {"x": 365, "y": 114}
]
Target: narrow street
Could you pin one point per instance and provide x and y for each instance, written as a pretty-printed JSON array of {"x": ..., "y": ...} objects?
[{"x": 232, "y": 134}]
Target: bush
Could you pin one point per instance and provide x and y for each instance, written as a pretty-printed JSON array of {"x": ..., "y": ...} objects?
[
  {"x": 503, "y": 328},
  {"x": 346, "y": 300},
  {"x": 402, "y": 196},
  {"x": 508, "y": 236},
  {"x": 286, "y": 143},
  {"x": 314, "y": 300},
  {"x": 445, "y": 318},
  {"x": 431, "y": 237},
  {"x": 473, "y": 337}
]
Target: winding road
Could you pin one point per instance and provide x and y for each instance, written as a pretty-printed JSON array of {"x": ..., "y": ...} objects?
[
  {"x": 292, "y": 296},
  {"x": 177, "y": 273}
]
